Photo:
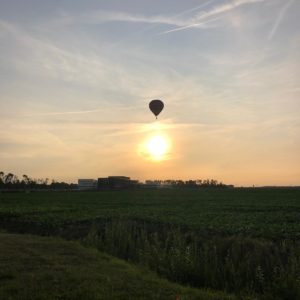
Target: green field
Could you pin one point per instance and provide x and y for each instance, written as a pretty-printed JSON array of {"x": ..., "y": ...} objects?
[
  {"x": 241, "y": 241},
  {"x": 271, "y": 213}
]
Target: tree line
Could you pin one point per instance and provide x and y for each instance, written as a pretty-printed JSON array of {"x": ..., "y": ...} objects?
[
  {"x": 189, "y": 183},
  {"x": 11, "y": 181}
]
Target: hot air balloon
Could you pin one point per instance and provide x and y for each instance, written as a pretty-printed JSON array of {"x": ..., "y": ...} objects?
[{"x": 156, "y": 106}]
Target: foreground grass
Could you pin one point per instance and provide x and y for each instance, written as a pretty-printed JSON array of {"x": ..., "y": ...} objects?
[{"x": 33, "y": 267}]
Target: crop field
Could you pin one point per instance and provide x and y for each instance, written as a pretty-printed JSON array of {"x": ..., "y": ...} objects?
[
  {"x": 243, "y": 242},
  {"x": 270, "y": 213}
]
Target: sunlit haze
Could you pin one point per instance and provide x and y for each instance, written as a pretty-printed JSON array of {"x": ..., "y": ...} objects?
[
  {"x": 76, "y": 78},
  {"x": 155, "y": 148}
]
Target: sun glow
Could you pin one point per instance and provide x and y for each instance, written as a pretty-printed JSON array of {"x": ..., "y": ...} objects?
[{"x": 156, "y": 147}]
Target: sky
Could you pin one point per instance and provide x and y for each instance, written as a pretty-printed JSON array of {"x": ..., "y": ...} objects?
[{"x": 76, "y": 78}]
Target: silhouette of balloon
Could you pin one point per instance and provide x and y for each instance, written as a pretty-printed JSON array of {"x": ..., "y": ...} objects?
[{"x": 156, "y": 106}]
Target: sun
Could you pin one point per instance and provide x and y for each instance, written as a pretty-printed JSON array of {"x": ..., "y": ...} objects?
[{"x": 157, "y": 147}]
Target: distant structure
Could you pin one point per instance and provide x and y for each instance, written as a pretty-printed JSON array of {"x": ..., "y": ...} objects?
[
  {"x": 124, "y": 182},
  {"x": 116, "y": 182},
  {"x": 107, "y": 183},
  {"x": 87, "y": 184},
  {"x": 156, "y": 184}
]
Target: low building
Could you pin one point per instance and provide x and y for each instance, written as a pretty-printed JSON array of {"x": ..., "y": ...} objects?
[
  {"x": 116, "y": 182},
  {"x": 103, "y": 183},
  {"x": 87, "y": 184}
]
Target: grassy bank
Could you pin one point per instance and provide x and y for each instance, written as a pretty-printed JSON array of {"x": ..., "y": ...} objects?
[{"x": 39, "y": 268}]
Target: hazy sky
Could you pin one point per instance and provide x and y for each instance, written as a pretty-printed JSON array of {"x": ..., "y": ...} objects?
[{"x": 76, "y": 78}]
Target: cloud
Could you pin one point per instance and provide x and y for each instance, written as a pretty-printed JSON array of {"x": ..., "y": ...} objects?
[
  {"x": 200, "y": 20},
  {"x": 215, "y": 11},
  {"x": 99, "y": 16},
  {"x": 66, "y": 113},
  {"x": 48, "y": 59},
  {"x": 194, "y": 25},
  {"x": 278, "y": 20}
]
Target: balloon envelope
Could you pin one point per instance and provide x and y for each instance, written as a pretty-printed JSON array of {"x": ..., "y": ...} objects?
[{"x": 156, "y": 106}]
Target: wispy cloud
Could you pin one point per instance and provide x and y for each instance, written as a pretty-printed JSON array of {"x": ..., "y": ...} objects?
[
  {"x": 182, "y": 13},
  {"x": 194, "y": 8},
  {"x": 101, "y": 16},
  {"x": 281, "y": 15},
  {"x": 116, "y": 16},
  {"x": 65, "y": 113},
  {"x": 47, "y": 58},
  {"x": 194, "y": 25},
  {"x": 201, "y": 19}
]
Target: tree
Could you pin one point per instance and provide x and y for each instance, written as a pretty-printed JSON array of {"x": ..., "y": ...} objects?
[
  {"x": 26, "y": 179},
  {"x": 1, "y": 178},
  {"x": 8, "y": 178}
]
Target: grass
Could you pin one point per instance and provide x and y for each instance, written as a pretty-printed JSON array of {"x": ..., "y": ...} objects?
[{"x": 40, "y": 268}]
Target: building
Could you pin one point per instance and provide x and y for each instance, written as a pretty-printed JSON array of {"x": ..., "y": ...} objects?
[
  {"x": 87, "y": 184},
  {"x": 116, "y": 182},
  {"x": 103, "y": 183},
  {"x": 107, "y": 183}
]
